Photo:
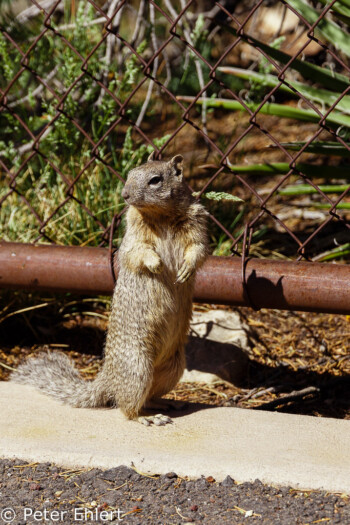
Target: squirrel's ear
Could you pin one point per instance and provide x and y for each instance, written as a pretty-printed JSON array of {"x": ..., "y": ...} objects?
[
  {"x": 151, "y": 157},
  {"x": 177, "y": 163}
]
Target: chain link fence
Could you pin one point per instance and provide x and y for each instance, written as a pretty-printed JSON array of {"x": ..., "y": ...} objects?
[{"x": 254, "y": 95}]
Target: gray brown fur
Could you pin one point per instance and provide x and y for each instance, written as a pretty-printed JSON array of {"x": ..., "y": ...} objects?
[{"x": 164, "y": 244}]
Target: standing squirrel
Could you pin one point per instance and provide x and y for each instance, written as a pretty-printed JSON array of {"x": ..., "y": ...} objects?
[{"x": 164, "y": 244}]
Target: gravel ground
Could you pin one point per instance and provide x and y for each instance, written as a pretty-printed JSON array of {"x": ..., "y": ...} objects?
[{"x": 45, "y": 493}]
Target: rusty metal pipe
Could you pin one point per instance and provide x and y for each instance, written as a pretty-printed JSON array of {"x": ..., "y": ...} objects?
[
  {"x": 269, "y": 284},
  {"x": 55, "y": 268}
]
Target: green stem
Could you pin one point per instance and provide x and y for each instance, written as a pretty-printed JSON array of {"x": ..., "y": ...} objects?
[
  {"x": 281, "y": 168},
  {"x": 306, "y": 189},
  {"x": 316, "y": 94},
  {"x": 323, "y": 148},
  {"x": 334, "y": 120},
  {"x": 340, "y": 206},
  {"x": 337, "y": 252}
]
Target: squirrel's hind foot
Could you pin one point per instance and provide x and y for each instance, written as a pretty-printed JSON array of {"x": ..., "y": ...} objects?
[{"x": 158, "y": 420}]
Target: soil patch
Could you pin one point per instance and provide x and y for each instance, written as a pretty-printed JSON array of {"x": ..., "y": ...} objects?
[{"x": 122, "y": 494}]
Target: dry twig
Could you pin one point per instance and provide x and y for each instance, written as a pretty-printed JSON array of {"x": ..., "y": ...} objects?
[{"x": 296, "y": 394}]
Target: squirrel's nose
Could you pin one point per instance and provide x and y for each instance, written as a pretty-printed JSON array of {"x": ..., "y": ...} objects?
[{"x": 125, "y": 193}]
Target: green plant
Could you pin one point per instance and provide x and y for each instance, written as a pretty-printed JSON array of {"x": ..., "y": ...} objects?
[
  {"x": 321, "y": 86},
  {"x": 334, "y": 120},
  {"x": 64, "y": 187},
  {"x": 98, "y": 189}
]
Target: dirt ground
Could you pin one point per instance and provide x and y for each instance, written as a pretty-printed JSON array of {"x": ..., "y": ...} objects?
[{"x": 46, "y": 493}]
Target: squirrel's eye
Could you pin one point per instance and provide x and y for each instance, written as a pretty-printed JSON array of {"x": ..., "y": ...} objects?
[{"x": 154, "y": 180}]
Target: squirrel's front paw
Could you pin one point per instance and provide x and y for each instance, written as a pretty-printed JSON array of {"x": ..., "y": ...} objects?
[
  {"x": 186, "y": 271},
  {"x": 153, "y": 262}
]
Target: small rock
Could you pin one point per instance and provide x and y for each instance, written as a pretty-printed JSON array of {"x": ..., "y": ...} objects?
[
  {"x": 166, "y": 484},
  {"x": 202, "y": 483},
  {"x": 171, "y": 475},
  {"x": 228, "y": 482},
  {"x": 110, "y": 474},
  {"x": 87, "y": 476},
  {"x": 258, "y": 483},
  {"x": 120, "y": 473}
]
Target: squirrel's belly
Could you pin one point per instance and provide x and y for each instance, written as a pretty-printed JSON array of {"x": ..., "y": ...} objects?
[
  {"x": 172, "y": 252},
  {"x": 157, "y": 291},
  {"x": 152, "y": 304}
]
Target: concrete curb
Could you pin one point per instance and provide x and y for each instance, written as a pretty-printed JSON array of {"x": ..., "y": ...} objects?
[{"x": 282, "y": 449}]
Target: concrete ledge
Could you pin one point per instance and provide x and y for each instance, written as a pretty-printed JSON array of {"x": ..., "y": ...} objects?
[{"x": 282, "y": 449}]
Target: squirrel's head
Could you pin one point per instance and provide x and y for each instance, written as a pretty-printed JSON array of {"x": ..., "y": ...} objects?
[{"x": 156, "y": 185}]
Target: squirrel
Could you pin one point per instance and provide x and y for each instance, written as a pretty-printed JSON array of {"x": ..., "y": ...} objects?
[{"x": 144, "y": 357}]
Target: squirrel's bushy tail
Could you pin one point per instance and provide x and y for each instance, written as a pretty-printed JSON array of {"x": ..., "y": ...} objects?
[{"x": 54, "y": 374}]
